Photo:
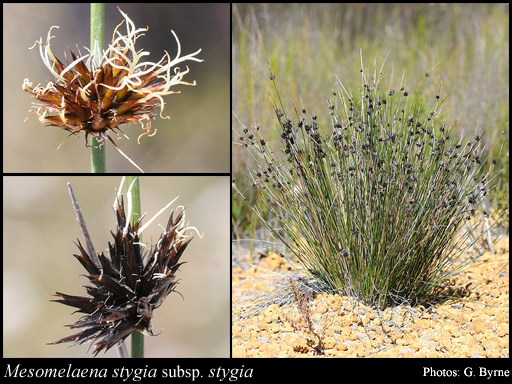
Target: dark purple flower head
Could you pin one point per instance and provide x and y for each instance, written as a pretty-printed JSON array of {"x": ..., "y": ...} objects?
[{"x": 125, "y": 288}]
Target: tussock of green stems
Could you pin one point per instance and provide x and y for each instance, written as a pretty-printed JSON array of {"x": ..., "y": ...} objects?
[
  {"x": 371, "y": 195},
  {"x": 307, "y": 43}
]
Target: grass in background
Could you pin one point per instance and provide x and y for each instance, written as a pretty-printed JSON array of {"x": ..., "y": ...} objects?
[
  {"x": 370, "y": 202},
  {"x": 308, "y": 45}
]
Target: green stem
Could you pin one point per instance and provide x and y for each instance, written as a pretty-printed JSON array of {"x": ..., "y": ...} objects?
[
  {"x": 135, "y": 198},
  {"x": 137, "y": 337},
  {"x": 98, "y": 156}
]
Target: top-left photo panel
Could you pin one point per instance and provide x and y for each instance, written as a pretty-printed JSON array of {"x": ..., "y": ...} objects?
[{"x": 116, "y": 88}]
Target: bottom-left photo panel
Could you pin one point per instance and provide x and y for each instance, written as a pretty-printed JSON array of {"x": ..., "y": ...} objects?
[{"x": 112, "y": 266}]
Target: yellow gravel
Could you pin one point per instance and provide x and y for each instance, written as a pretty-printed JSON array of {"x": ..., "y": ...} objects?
[{"x": 476, "y": 325}]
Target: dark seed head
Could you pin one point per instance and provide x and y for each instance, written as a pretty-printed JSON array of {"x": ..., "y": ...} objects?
[{"x": 125, "y": 288}]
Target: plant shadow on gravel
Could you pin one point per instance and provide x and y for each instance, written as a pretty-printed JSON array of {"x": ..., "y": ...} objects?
[{"x": 290, "y": 300}]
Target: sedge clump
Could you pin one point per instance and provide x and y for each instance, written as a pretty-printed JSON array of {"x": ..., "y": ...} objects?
[{"x": 371, "y": 200}]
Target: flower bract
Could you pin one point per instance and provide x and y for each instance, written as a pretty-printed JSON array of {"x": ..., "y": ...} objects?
[
  {"x": 98, "y": 92},
  {"x": 125, "y": 288}
]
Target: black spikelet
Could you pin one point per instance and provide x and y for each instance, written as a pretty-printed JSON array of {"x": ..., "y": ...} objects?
[{"x": 125, "y": 288}]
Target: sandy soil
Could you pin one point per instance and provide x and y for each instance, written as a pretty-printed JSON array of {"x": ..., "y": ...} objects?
[{"x": 476, "y": 324}]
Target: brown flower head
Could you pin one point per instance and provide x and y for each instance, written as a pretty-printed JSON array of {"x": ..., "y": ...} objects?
[
  {"x": 97, "y": 93},
  {"x": 126, "y": 288}
]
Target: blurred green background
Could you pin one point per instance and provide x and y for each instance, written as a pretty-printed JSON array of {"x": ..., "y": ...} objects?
[
  {"x": 307, "y": 45},
  {"x": 40, "y": 227},
  {"x": 194, "y": 139}
]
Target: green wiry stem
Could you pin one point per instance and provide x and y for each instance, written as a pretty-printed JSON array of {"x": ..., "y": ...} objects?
[
  {"x": 135, "y": 198},
  {"x": 137, "y": 337},
  {"x": 98, "y": 156}
]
